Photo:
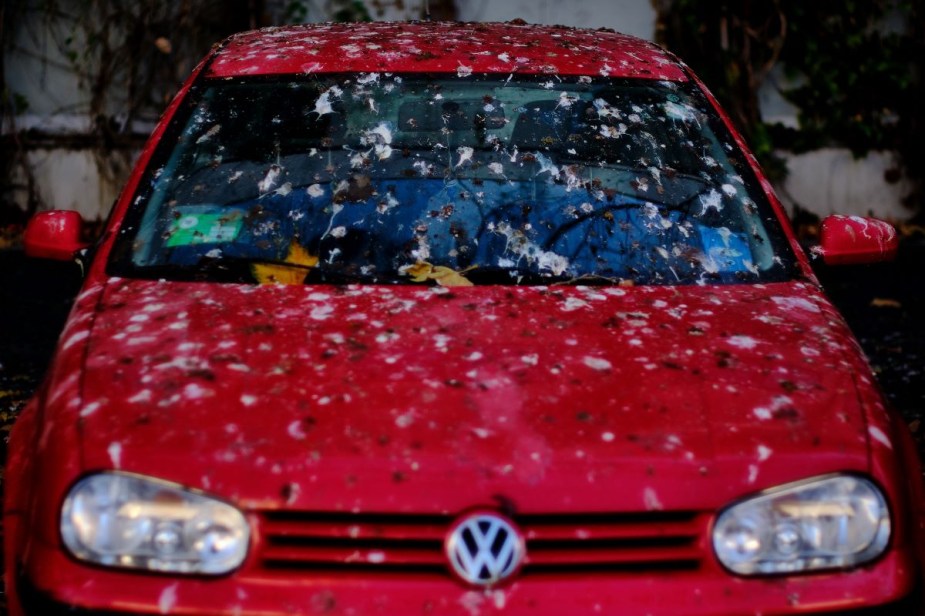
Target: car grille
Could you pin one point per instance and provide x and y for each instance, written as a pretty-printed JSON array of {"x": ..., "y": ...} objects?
[{"x": 567, "y": 544}]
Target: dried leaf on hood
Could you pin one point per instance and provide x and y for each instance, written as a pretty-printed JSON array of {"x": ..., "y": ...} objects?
[
  {"x": 298, "y": 262},
  {"x": 423, "y": 271}
]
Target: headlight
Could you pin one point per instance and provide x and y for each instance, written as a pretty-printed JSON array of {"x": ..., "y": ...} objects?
[
  {"x": 831, "y": 522},
  {"x": 125, "y": 520}
]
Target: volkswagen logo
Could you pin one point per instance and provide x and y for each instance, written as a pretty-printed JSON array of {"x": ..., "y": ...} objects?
[{"x": 484, "y": 548}]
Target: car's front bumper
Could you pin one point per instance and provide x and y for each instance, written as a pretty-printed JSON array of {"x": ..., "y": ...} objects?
[{"x": 889, "y": 586}]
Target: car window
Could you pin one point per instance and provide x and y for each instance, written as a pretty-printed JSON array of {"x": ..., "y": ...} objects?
[{"x": 499, "y": 179}]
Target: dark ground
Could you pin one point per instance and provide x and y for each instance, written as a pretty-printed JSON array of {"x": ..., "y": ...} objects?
[
  {"x": 35, "y": 297},
  {"x": 884, "y": 305}
]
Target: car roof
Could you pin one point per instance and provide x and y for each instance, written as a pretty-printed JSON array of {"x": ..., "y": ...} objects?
[{"x": 442, "y": 47}]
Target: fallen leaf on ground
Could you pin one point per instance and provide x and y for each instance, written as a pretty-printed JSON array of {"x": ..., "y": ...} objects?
[{"x": 880, "y": 302}]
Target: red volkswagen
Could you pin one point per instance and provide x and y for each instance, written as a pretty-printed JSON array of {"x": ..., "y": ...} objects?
[{"x": 455, "y": 319}]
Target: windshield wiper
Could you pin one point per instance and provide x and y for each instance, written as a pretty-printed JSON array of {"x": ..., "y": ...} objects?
[
  {"x": 494, "y": 274},
  {"x": 240, "y": 270},
  {"x": 328, "y": 273},
  {"x": 205, "y": 270}
]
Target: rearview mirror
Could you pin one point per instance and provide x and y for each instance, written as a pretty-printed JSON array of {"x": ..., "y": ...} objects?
[
  {"x": 54, "y": 235},
  {"x": 846, "y": 240}
]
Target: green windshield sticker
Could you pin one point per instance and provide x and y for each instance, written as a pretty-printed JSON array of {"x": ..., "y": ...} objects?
[{"x": 204, "y": 229}]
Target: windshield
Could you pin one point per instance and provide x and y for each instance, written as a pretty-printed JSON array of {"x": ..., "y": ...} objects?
[{"x": 466, "y": 179}]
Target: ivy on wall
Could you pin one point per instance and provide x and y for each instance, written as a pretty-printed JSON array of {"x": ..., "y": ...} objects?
[
  {"x": 855, "y": 72},
  {"x": 128, "y": 57},
  {"x": 297, "y": 11},
  {"x": 858, "y": 71}
]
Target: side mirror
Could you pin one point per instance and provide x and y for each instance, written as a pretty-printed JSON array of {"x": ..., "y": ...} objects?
[
  {"x": 847, "y": 240},
  {"x": 54, "y": 235}
]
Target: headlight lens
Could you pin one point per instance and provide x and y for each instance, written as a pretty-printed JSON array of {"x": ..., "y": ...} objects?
[
  {"x": 832, "y": 522},
  {"x": 125, "y": 520}
]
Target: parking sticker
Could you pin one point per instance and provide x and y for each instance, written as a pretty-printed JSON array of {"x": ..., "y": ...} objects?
[{"x": 204, "y": 229}]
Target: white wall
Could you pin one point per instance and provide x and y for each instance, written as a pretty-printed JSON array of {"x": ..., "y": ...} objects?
[
  {"x": 70, "y": 176},
  {"x": 36, "y": 68},
  {"x": 74, "y": 180},
  {"x": 832, "y": 181}
]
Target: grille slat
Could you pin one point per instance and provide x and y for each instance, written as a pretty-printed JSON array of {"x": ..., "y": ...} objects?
[
  {"x": 365, "y": 543},
  {"x": 357, "y": 531},
  {"x": 346, "y": 555},
  {"x": 622, "y": 557},
  {"x": 596, "y": 532}
]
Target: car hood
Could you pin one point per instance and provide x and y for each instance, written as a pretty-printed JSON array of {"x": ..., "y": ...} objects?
[{"x": 392, "y": 398}]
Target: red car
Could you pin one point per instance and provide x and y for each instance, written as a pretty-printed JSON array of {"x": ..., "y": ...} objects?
[{"x": 456, "y": 319}]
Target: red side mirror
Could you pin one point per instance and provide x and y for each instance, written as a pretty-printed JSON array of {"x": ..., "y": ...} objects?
[
  {"x": 848, "y": 240},
  {"x": 54, "y": 235}
]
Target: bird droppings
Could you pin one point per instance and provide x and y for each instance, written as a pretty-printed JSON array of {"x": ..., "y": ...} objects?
[
  {"x": 435, "y": 49},
  {"x": 115, "y": 454},
  {"x": 142, "y": 397},
  {"x": 90, "y": 408},
  {"x": 597, "y": 363},
  {"x": 878, "y": 435},
  {"x": 74, "y": 339},
  {"x": 796, "y": 303},
  {"x": 168, "y": 598},
  {"x": 296, "y": 431},
  {"x": 743, "y": 342},
  {"x": 652, "y": 501},
  {"x": 368, "y": 363}
]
